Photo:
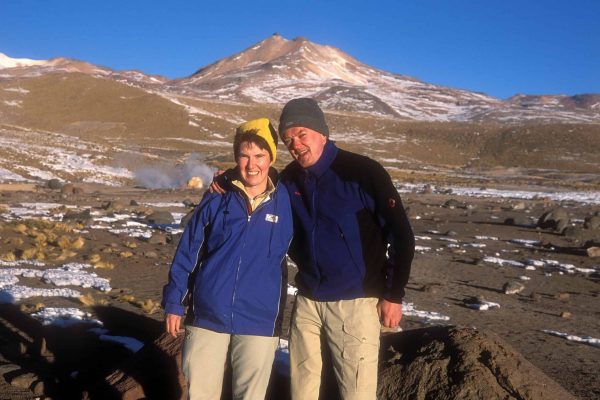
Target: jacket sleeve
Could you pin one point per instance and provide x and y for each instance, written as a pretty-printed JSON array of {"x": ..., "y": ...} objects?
[
  {"x": 396, "y": 228},
  {"x": 187, "y": 256}
]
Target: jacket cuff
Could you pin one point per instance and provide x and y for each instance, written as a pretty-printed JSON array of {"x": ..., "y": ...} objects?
[
  {"x": 394, "y": 297},
  {"x": 175, "y": 309}
]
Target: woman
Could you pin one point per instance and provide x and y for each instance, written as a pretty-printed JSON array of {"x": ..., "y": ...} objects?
[{"x": 231, "y": 260}]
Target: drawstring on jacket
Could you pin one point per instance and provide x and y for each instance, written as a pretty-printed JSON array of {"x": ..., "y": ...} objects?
[{"x": 274, "y": 195}]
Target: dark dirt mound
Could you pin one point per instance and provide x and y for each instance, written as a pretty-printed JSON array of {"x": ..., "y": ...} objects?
[{"x": 459, "y": 363}]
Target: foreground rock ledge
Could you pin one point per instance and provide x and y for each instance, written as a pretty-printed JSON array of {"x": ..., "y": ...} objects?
[
  {"x": 430, "y": 363},
  {"x": 459, "y": 363}
]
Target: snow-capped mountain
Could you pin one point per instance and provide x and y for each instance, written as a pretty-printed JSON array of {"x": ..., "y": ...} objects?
[
  {"x": 276, "y": 70},
  {"x": 27, "y": 68}
]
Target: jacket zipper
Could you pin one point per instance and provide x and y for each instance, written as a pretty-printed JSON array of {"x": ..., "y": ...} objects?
[
  {"x": 237, "y": 272},
  {"x": 315, "y": 221}
]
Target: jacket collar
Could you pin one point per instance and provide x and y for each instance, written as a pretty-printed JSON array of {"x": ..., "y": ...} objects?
[{"x": 329, "y": 152}]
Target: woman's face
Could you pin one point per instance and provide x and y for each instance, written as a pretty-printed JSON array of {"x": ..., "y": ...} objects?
[{"x": 254, "y": 164}]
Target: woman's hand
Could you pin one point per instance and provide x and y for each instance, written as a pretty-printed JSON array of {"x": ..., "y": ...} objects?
[{"x": 173, "y": 324}]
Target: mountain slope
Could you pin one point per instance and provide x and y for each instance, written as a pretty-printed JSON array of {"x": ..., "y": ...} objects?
[
  {"x": 11, "y": 68},
  {"x": 276, "y": 70}
]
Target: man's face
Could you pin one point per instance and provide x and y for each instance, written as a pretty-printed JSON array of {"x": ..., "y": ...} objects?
[
  {"x": 305, "y": 145},
  {"x": 253, "y": 163}
]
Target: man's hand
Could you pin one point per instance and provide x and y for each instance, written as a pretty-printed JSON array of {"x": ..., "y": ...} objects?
[
  {"x": 390, "y": 313},
  {"x": 173, "y": 324},
  {"x": 214, "y": 186}
]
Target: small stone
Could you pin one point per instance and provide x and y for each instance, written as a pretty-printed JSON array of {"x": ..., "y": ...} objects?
[
  {"x": 566, "y": 314},
  {"x": 134, "y": 203},
  {"x": 519, "y": 206},
  {"x": 433, "y": 289},
  {"x": 562, "y": 296},
  {"x": 451, "y": 204},
  {"x": 513, "y": 287},
  {"x": 150, "y": 254},
  {"x": 593, "y": 252}
]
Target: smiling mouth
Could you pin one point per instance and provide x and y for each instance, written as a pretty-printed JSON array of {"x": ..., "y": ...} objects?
[
  {"x": 301, "y": 154},
  {"x": 252, "y": 173}
]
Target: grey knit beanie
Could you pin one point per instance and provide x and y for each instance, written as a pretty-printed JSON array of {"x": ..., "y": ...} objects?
[{"x": 303, "y": 112}]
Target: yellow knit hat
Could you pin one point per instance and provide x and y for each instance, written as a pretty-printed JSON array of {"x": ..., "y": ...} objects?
[{"x": 261, "y": 127}]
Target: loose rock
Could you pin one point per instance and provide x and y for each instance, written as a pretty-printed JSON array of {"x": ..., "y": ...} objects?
[
  {"x": 513, "y": 287},
  {"x": 593, "y": 252}
]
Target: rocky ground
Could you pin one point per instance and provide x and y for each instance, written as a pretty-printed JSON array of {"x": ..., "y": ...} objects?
[{"x": 487, "y": 263}]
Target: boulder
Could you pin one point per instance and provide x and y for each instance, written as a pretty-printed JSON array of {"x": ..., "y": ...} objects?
[
  {"x": 160, "y": 218},
  {"x": 554, "y": 219},
  {"x": 153, "y": 372},
  {"x": 54, "y": 184}
]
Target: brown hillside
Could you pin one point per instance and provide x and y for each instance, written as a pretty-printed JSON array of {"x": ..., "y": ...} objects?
[
  {"x": 564, "y": 147},
  {"x": 88, "y": 106}
]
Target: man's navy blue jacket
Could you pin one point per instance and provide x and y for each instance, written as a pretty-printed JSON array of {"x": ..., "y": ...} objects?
[{"x": 352, "y": 237}]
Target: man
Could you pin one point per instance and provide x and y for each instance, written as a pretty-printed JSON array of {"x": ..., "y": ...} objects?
[{"x": 353, "y": 245}]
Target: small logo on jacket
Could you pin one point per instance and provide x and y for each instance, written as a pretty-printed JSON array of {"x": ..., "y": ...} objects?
[
  {"x": 271, "y": 218},
  {"x": 391, "y": 202}
]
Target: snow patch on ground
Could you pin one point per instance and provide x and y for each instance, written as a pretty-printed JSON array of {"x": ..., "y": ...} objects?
[
  {"x": 574, "y": 338},
  {"x": 589, "y": 197},
  {"x": 64, "y": 317}
]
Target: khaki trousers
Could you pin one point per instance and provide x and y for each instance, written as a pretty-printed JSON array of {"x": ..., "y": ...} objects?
[
  {"x": 351, "y": 329},
  {"x": 204, "y": 357}
]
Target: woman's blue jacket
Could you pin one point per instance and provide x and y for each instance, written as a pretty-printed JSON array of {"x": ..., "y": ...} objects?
[{"x": 232, "y": 263}]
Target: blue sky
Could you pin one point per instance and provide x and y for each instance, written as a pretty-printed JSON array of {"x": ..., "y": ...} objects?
[{"x": 497, "y": 47}]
